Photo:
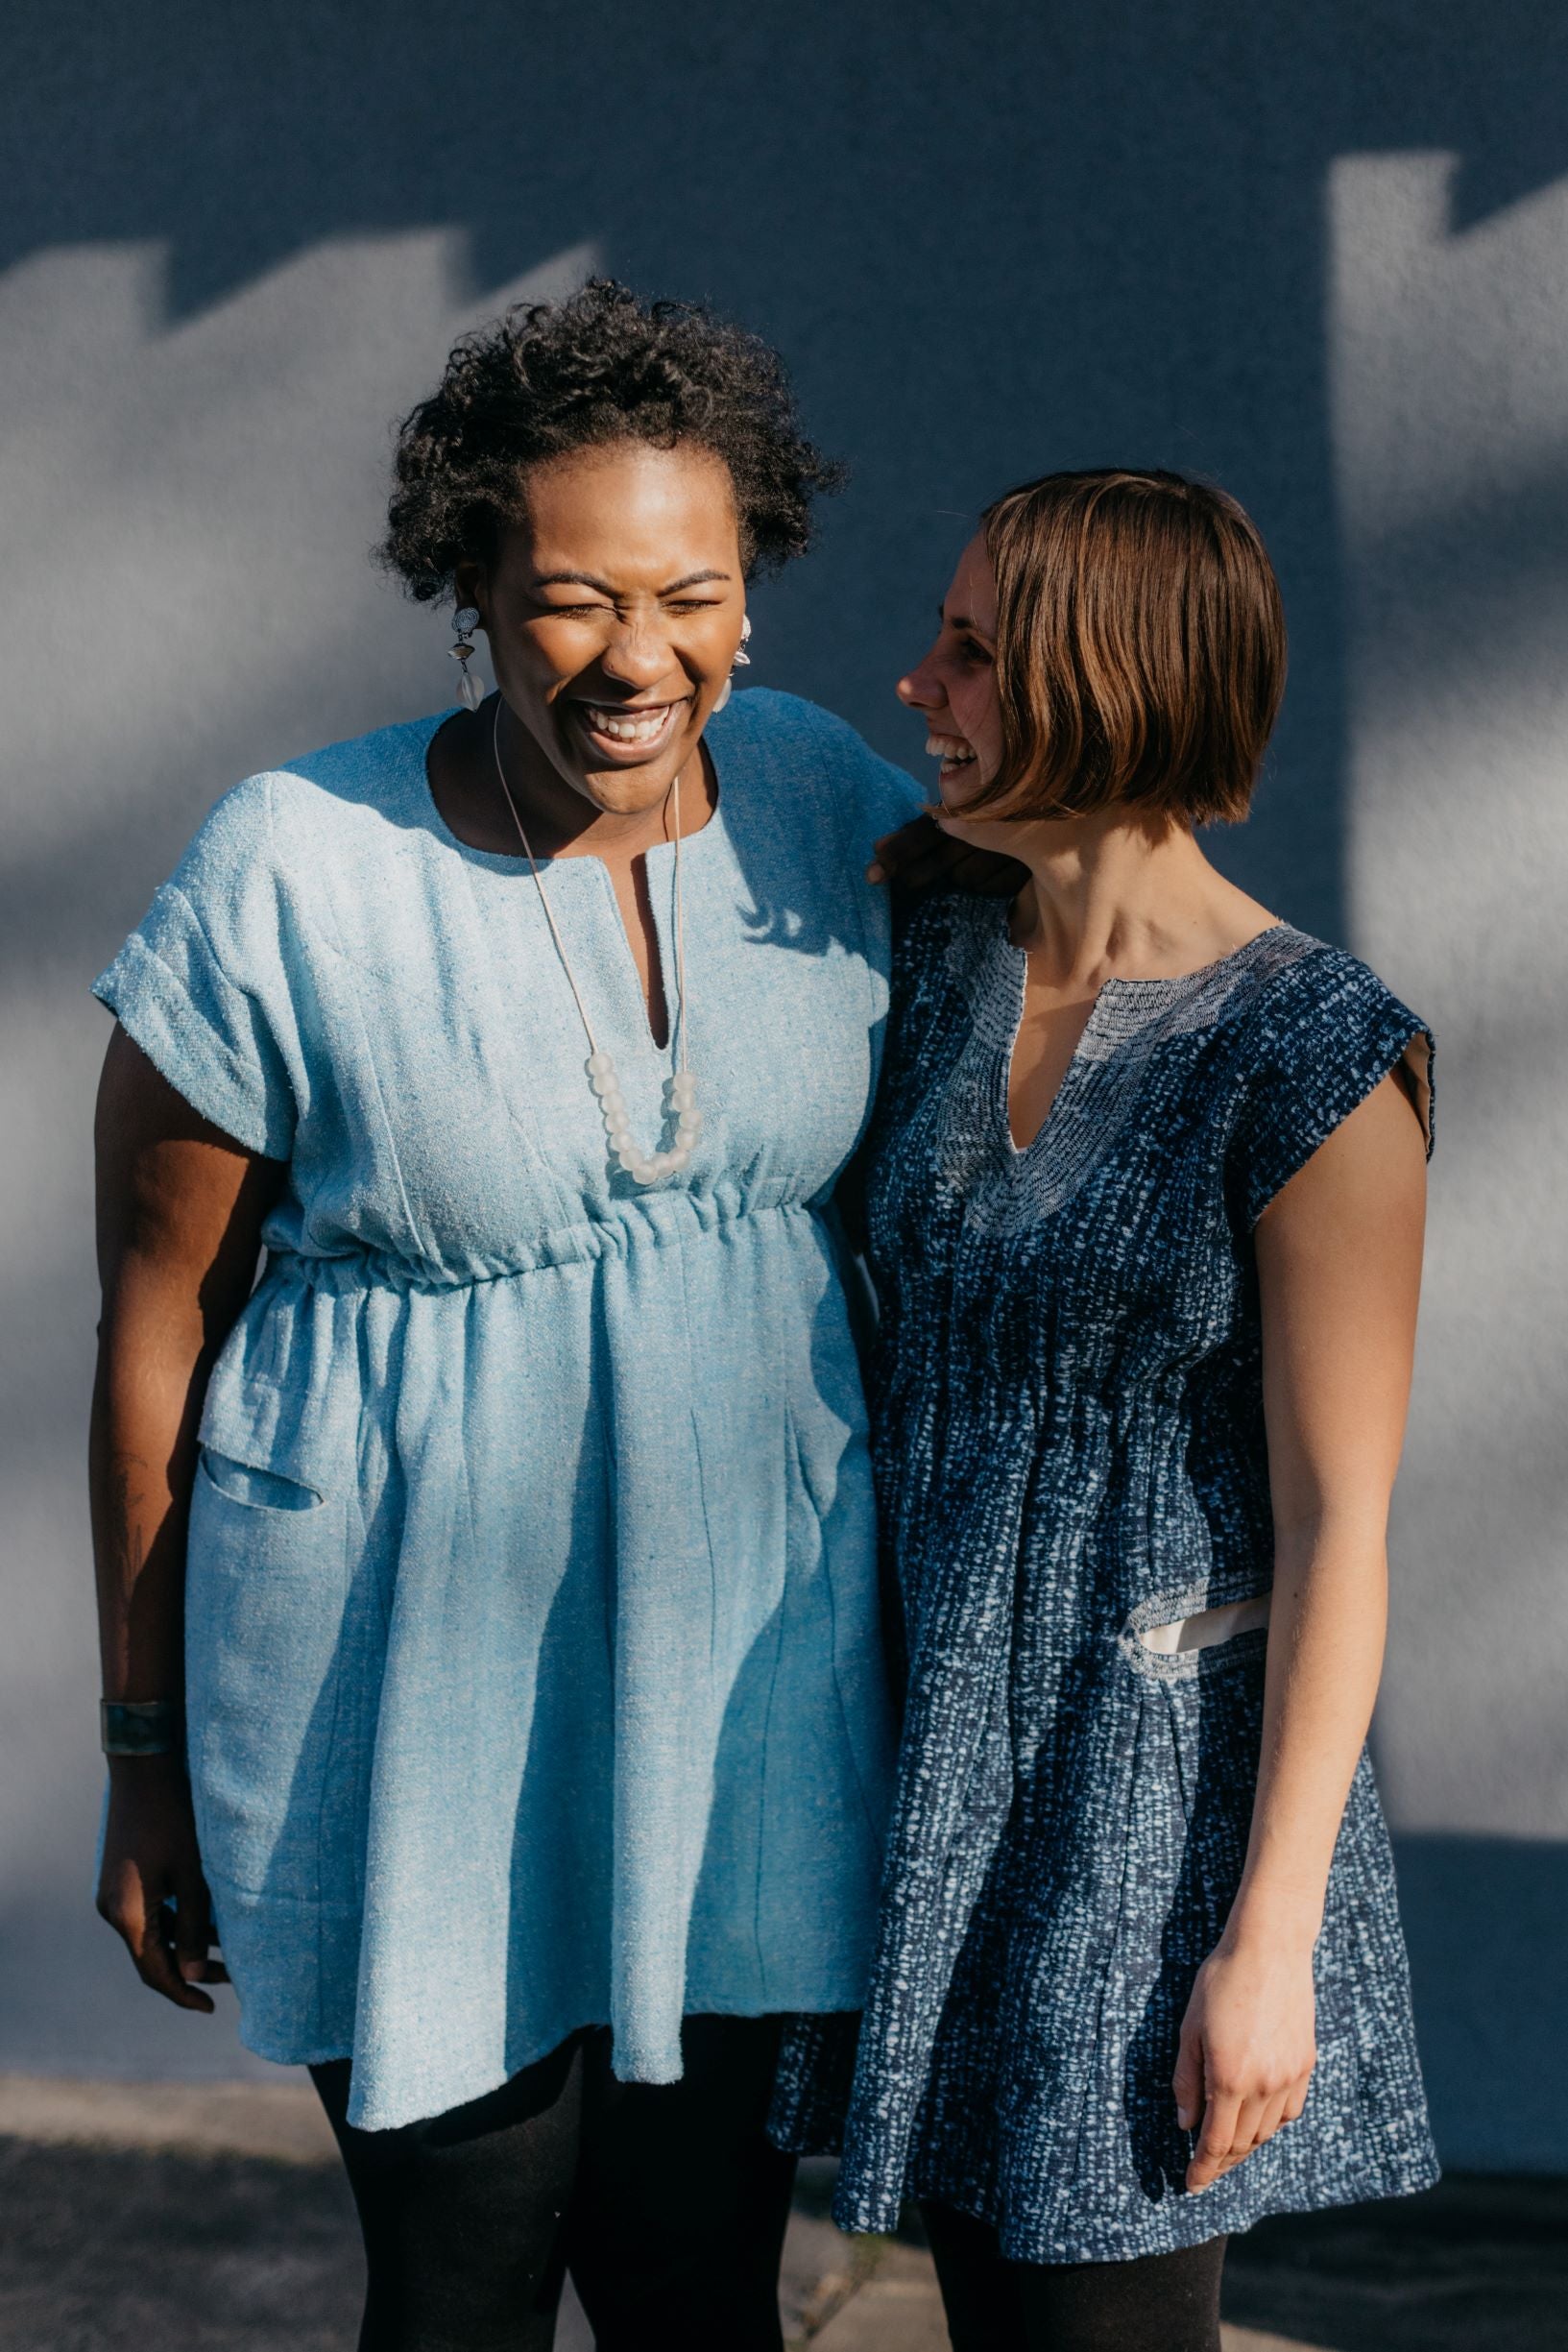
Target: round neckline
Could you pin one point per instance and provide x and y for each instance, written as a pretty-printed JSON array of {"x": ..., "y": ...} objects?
[{"x": 513, "y": 862}]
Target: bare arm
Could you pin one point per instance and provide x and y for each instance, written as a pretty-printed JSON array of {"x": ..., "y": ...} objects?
[
  {"x": 1339, "y": 1270},
  {"x": 181, "y": 1207}
]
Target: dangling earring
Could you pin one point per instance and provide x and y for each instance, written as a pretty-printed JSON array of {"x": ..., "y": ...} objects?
[
  {"x": 743, "y": 661},
  {"x": 471, "y": 687}
]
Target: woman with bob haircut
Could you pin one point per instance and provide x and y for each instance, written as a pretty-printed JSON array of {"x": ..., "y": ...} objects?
[
  {"x": 489, "y": 1611},
  {"x": 1145, "y": 1189}
]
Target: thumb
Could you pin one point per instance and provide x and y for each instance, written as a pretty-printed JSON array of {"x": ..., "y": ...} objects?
[{"x": 1188, "y": 2080}]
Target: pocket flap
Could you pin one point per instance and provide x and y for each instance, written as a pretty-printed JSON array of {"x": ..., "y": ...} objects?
[
  {"x": 284, "y": 1394},
  {"x": 260, "y": 1490}
]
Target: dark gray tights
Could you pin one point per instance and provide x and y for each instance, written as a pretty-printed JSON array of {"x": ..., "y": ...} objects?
[
  {"x": 1156, "y": 2303},
  {"x": 664, "y": 2201}
]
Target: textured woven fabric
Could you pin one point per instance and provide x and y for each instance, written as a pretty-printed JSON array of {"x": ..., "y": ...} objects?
[
  {"x": 1069, "y": 1443},
  {"x": 535, "y": 1676}
]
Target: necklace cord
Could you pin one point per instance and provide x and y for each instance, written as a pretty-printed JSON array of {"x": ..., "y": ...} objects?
[{"x": 549, "y": 916}]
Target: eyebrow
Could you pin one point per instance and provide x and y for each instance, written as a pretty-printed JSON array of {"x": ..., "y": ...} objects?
[
  {"x": 586, "y": 579},
  {"x": 959, "y": 621}
]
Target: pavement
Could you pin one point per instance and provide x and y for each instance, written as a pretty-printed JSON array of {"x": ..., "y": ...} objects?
[{"x": 216, "y": 2218}]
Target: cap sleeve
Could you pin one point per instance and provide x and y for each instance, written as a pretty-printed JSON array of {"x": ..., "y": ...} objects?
[
  {"x": 1317, "y": 1044},
  {"x": 201, "y": 983}
]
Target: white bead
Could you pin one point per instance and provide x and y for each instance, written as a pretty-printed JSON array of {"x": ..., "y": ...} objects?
[
  {"x": 645, "y": 1172},
  {"x": 621, "y": 1139},
  {"x": 629, "y": 1156},
  {"x": 599, "y": 1065},
  {"x": 679, "y": 1156},
  {"x": 612, "y": 1103},
  {"x": 691, "y": 1121},
  {"x": 683, "y": 1089}
]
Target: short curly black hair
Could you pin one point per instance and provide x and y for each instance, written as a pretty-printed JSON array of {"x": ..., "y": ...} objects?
[{"x": 601, "y": 366}]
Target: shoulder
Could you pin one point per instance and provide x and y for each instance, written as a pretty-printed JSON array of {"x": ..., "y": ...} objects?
[
  {"x": 282, "y": 823},
  {"x": 786, "y": 735},
  {"x": 1317, "y": 1032},
  {"x": 763, "y": 719},
  {"x": 1312, "y": 1005}
]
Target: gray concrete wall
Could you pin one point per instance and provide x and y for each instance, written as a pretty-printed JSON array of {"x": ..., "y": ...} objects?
[{"x": 1318, "y": 254}]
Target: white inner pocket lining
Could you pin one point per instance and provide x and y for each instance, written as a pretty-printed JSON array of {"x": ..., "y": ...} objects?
[{"x": 1208, "y": 1626}]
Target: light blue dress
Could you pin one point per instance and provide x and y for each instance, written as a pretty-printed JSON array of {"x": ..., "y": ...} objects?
[{"x": 533, "y": 1664}]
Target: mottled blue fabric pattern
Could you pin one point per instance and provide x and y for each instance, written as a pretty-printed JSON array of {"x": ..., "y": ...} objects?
[
  {"x": 533, "y": 1649},
  {"x": 1069, "y": 1448}
]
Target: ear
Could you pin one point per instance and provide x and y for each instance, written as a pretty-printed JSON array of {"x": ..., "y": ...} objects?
[{"x": 470, "y": 585}]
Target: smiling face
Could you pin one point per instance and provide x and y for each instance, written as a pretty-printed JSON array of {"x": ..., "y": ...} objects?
[
  {"x": 955, "y": 688},
  {"x": 614, "y": 610}
]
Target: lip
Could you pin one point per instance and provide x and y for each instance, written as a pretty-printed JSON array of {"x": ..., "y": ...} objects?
[
  {"x": 615, "y": 751},
  {"x": 937, "y": 742}
]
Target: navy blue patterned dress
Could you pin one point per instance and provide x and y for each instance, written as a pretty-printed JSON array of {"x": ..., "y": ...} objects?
[{"x": 1069, "y": 1449}]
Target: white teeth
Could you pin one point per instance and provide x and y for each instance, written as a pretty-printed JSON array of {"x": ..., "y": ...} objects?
[
  {"x": 623, "y": 730},
  {"x": 951, "y": 748}
]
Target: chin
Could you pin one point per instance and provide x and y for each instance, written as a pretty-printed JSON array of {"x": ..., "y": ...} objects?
[{"x": 627, "y": 792}]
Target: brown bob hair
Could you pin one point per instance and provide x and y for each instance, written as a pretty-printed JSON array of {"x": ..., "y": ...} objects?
[{"x": 1140, "y": 648}]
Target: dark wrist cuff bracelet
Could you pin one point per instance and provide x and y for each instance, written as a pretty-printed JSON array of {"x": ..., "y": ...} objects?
[{"x": 139, "y": 1726}]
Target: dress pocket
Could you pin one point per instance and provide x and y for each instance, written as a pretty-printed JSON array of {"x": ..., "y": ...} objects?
[
  {"x": 242, "y": 1482},
  {"x": 274, "y": 1672}
]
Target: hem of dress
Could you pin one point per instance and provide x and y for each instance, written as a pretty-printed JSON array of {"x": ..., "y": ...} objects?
[
  {"x": 1022, "y": 2245},
  {"x": 391, "y": 2114}
]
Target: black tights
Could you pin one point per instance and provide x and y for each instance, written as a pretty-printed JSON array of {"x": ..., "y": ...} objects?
[
  {"x": 1156, "y": 2303},
  {"x": 664, "y": 2201}
]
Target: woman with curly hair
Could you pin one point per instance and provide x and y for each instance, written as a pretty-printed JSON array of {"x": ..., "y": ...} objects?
[{"x": 491, "y": 1639}]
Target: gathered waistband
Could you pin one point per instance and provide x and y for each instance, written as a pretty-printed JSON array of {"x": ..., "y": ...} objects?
[{"x": 669, "y": 1221}]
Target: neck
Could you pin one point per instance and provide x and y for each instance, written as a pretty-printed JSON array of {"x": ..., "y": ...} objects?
[
  {"x": 555, "y": 815},
  {"x": 1108, "y": 896}
]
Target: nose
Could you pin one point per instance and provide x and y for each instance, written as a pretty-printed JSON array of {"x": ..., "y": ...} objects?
[
  {"x": 919, "y": 691},
  {"x": 637, "y": 655}
]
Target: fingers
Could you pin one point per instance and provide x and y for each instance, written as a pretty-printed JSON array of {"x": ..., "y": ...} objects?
[
  {"x": 158, "y": 1963},
  {"x": 1188, "y": 2080},
  {"x": 912, "y": 855},
  {"x": 1251, "y": 2123},
  {"x": 1215, "y": 2141},
  {"x": 1270, "y": 2119},
  {"x": 194, "y": 1936},
  {"x": 147, "y": 1931}
]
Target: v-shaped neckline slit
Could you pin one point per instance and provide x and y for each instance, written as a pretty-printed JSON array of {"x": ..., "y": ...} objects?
[
  {"x": 509, "y": 861},
  {"x": 1160, "y": 988}
]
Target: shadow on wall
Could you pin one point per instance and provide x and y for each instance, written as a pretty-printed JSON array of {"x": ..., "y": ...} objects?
[
  {"x": 1111, "y": 246},
  {"x": 1484, "y": 1918}
]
